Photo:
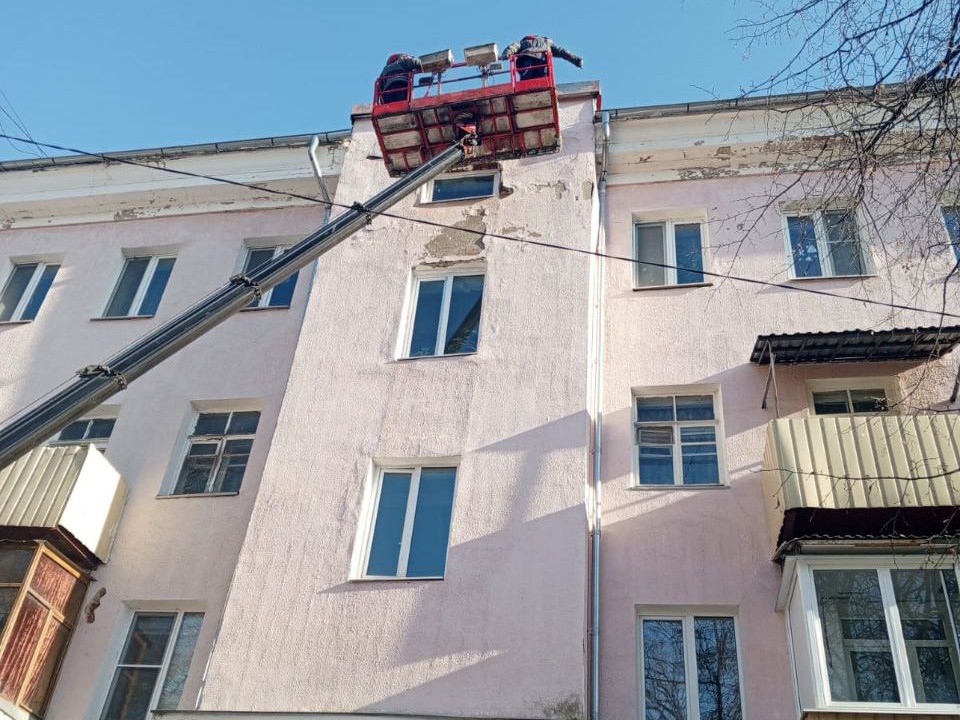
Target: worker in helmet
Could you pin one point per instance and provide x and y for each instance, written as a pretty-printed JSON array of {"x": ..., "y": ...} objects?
[
  {"x": 395, "y": 77},
  {"x": 532, "y": 55}
]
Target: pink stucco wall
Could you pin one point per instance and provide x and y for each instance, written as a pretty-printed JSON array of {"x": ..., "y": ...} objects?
[
  {"x": 502, "y": 634},
  {"x": 710, "y": 547}
]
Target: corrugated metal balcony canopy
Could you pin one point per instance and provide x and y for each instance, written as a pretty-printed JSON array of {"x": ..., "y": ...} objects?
[{"x": 901, "y": 344}]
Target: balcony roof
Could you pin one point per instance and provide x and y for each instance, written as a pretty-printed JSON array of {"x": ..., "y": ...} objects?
[{"x": 896, "y": 345}]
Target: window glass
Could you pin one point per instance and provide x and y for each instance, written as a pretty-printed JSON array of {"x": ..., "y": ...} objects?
[
  {"x": 33, "y": 278},
  {"x": 431, "y": 525},
  {"x": 868, "y": 401},
  {"x": 16, "y": 286},
  {"x": 841, "y": 402},
  {"x": 463, "y": 188},
  {"x": 447, "y": 316},
  {"x": 180, "y": 660},
  {"x": 859, "y": 659},
  {"x": 158, "y": 283},
  {"x": 843, "y": 243},
  {"x": 677, "y": 440},
  {"x": 833, "y": 402},
  {"x": 281, "y": 295},
  {"x": 650, "y": 249},
  {"x": 218, "y": 453},
  {"x": 463, "y": 324},
  {"x": 388, "y": 530},
  {"x": 94, "y": 430},
  {"x": 718, "y": 671},
  {"x": 664, "y": 673},
  {"x": 411, "y": 529},
  {"x": 803, "y": 244},
  {"x": 928, "y": 623},
  {"x": 130, "y": 278},
  {"x": 951, "y": 217},
  {"x": 689, "y": 253},
  {"x": 427, "y": 318},
  {"x": 43, "y": 285}
]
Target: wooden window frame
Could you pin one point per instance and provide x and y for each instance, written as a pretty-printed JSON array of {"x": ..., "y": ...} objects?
[
  {"x": 221, "y": 441},
  {"x": 42, "y": 549}
]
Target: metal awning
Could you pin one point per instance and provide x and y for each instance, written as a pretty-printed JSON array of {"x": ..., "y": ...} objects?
[
  {"x": 902, "y": 344},
  {"x": 896, "y": 345}
]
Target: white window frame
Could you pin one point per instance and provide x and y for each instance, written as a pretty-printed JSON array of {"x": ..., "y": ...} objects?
[
  {"x": 373, "y": 510},
  {"x": 686, "y": 615},
  {"x": 820, "y": 231},
  {"x": 145, "y": 281},
  {"x": 717, "y": 422},
  {"x": 99, "y": 443},
  {"x": 669, "y": 249},
  {"x": 264, "y": 301},
  {"x": 426, "y": 195},
  {"x": 889, "y": 385},
  {"x": 426, "y": 274},
  {"x": 17, "y": 316},
  {"x": 128, "y": 617},
  {"x": 186, "y": 438},
  {"x": 799, "y": 584}
]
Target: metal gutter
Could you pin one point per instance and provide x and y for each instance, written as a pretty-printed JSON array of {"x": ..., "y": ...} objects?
[{"x": 174, "y": 152}]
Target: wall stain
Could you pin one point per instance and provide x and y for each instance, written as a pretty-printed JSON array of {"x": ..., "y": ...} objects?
[
  {"x": 514, "y": 229},
  {"x": 460, "y": 240},
  {"x": 559, "y": 187},
  {"x": 566, "y": 709}
]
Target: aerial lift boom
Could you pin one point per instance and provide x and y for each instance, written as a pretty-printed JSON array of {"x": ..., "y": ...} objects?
[{"x": 96, "y": 383}]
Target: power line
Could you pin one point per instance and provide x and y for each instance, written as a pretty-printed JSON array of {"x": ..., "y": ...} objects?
[{"x": 481, "y": 233}]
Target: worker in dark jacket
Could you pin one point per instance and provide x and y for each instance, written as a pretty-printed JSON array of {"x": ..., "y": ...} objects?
[
  {"x": 532, "y": 55},
  {"x": 395, "y": 77}
]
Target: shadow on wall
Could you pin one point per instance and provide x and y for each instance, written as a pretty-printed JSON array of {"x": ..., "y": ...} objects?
[{"x": 512, "y": 599}]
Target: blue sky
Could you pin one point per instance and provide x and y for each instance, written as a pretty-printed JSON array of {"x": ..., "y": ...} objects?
[{"x": 101, "y": 75}]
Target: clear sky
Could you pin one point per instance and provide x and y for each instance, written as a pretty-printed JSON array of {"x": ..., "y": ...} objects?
[{"x": 109, "y": 75}]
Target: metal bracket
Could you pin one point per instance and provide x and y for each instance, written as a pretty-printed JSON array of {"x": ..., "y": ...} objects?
[
  {"x": 102, "y": 370},
  {"x": 242, "y": 279},
  {"x": 364, "y": 210},
  {"x": 771, "y": 379}
]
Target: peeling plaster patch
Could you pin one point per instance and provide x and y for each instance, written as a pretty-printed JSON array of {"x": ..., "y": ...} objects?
[
  {"x": 586, "y": 190},
  {"x": 559, "y": 187},
  {"x": 126, "y": 214},
  {"x": 505, "y": 191},
  {"x": 724, "y": 151},
  {"x": 706, "y": 173},
  {"x": 461, "y": 240},
  {"x": 514, "y": 229},
  {"x": 567, "y": 709}
]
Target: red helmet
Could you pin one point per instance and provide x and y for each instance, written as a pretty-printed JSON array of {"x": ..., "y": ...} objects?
[
  {"x": 394, "y": 57},
  {"x": 530, "y": 37}
]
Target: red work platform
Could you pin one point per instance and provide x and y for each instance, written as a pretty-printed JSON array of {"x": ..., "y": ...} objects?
[{"x": 514, "y": 117}]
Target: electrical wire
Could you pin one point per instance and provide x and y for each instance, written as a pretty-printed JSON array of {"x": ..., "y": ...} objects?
[{"x": 510, "y": 238}]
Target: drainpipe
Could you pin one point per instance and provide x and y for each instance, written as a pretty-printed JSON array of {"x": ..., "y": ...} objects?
[
  {"x": 597, "y": 341},
  {"x": 315, "y": 162}
]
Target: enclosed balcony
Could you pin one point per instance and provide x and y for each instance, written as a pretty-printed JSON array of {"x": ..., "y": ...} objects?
[
  {"x": 70, "y": 496},
  {"x": 872, "y": 476}
]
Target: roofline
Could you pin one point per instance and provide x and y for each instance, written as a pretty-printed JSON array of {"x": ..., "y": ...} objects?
[
  {"x": 783, "y": 100},
  {"x": 180, "y": 151}
]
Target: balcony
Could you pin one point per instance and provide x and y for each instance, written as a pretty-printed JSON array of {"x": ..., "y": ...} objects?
[
  {"x": 877, "y": 476},
  {"x": 70, "y": 496}
]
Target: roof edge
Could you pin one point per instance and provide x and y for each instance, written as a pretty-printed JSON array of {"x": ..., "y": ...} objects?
[{"x": 173, "y": 152}]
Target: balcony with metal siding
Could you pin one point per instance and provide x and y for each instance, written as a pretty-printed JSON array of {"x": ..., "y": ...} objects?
[
  {"x": 862, "y": 477},
  {"x": 70, "y": 496}
]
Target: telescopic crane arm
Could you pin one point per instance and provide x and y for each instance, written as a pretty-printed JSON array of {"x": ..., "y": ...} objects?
[{"x": 96, "y": 383}]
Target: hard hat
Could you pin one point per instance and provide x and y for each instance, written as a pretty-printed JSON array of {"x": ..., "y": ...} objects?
[{"x": 394, "y": 57}]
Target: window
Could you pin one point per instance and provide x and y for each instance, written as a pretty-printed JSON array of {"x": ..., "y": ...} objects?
[
  {"x": 411, "y": 523},
  {"x": 279, "y": 295},
  {"x": 153, "y": 665},
  {"x": 826, "y": 244},
  {"x": 848, "y": 402},
  {"x": 89, "y": 430},
  {"x": 676, "y": 438},
  {"x": 886, "y": 635},
  {"x": 689, "y": 667},
  {"x": 678, "y": 244},
  {"x": 462, "y": 186},
  {"x": 446, "y": 318},
  {"x": 217, "y": 452},
  {"x": 140, "y": 287},
  {"x": 951, "y": 218},
  {"x": 40, "y": 596},
  {"x": 25, "y": 290}
]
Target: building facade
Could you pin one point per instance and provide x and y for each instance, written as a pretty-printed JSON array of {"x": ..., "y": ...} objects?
[{"x": 384, "y": 489}]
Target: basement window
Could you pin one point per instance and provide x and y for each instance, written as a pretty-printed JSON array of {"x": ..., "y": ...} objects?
[{"x": 462, "y": 186}]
